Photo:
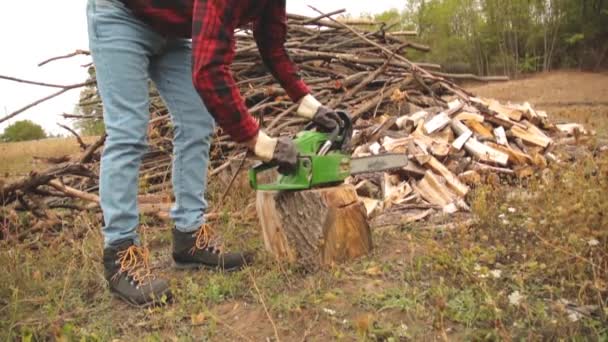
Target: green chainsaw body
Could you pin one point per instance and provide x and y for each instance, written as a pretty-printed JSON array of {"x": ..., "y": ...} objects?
[{"x": 312, "y": 170}]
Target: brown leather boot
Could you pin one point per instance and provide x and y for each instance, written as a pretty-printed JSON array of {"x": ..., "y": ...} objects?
[
  {"x": 204, "y": 249},
  {"x": 128, "y": 274}
]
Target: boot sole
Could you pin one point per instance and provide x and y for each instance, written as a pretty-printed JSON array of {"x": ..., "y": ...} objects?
[
  {"x": 133, "y": 304},
  {"x": 197, "y": 266}
]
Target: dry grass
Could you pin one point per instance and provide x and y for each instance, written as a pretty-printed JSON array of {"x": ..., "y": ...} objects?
[
  {"x": 17, "y": 159},
  {"x": 544, "y": 240}
]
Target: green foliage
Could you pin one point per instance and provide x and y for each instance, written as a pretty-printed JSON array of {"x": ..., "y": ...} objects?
[
  {"x": 23, "y": 130},
  {"x": 90, "y": 108},
  {"x": 90, "y": 127},
  {"x": 506, "y": 37},
  {"x": 575, "y": 38}
]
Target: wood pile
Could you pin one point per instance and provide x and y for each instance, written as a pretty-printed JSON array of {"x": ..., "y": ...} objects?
[{"x": 453, "y": 139}]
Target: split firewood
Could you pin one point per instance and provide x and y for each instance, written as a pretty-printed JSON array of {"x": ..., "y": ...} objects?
[{"x": 531, "y": 134}]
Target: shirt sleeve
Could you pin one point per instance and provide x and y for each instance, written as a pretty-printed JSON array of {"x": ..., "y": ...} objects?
[
  {"x": 270, "y": 32},
  {"x": 213, "y": 51}
]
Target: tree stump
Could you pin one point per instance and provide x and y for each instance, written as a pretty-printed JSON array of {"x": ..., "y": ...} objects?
[{"x": 314, "y": 228}]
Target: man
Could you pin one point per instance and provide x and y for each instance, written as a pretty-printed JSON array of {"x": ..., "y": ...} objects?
[{"x": 134, "y": 40}]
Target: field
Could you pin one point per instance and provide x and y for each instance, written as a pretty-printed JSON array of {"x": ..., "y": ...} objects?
[
  {"x": 19, "y": 158},
  {"x": 531, "y": 263}
]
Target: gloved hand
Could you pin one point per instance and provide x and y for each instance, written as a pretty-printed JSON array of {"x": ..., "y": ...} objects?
[
  {"x": 280, "y": 151},
  {"x": 285, "y": 156},
  {"x": 324, "y": 117}
]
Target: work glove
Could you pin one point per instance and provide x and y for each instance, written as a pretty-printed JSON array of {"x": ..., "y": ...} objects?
[
  {"x": 280, "y": 151},
  {"x": 325, "y": 118}
]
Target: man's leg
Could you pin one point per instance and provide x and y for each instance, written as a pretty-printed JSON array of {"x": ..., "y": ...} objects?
[
  {"x": 121, "y": 50},
  {"x": 194, "y": 125},
  {"x": 121, "y": 46},
  {"x": 193, "y": 130}
]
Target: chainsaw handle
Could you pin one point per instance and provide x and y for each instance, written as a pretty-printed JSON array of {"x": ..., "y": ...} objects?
[
  {"x": 254, "y": 171},
  {"x": 341, "y": 135},
  {"x": 299, "y": 180}
]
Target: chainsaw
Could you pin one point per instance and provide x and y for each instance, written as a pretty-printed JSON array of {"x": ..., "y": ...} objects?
[{"x": 324, "y": 159}]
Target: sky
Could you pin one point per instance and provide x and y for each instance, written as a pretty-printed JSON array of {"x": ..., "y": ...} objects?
[{"x": 35, "y": 30}]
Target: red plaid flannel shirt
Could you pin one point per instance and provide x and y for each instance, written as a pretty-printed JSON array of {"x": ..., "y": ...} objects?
[{"x": 211, "y": 25}]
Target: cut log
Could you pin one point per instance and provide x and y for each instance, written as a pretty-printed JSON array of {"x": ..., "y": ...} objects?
[
  {"x": 532, "y": 135},
  {"x": 478, "y": 150},
  {"x": 451, "y": 179},
  {"x": 372, "y": 206},
  {"x": 431, "y": 189},
  {"x": 438, "y": 122},
  {"x": 571, "y": 128},
  {"x": 479, "y": 129},
  {"x": 411, "y": 120},
  {"x": 511, "y": 113},
  {"x": 501, "y": 136},
  {"x": 314, "y": 228},
  {"x": 515, "y": 157},
  {"x": 470, "y": 117},
  {"x": 459, "y": 143}
]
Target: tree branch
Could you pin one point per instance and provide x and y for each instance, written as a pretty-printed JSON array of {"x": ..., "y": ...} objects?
[
  {"x": 70, "y": 55},
  {"x": 44, "y": 99}
]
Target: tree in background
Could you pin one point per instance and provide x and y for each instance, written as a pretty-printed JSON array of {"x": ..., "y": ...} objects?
[
  {"x": 23, "y": 130},
  {"x": 89, "y": 121},
  {"x": 507, "y": 37}
]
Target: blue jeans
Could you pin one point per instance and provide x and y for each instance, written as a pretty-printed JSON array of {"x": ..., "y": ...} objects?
[{"x": 127, "y": 53}]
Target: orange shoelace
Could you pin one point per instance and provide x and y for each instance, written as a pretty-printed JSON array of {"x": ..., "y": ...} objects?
[
  {"x": 134, "y": 261},
  {"x": 207, "y": 239}
]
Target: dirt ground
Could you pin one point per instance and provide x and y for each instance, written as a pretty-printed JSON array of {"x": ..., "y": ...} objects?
[
  {"x": 550, "y": 89},
  {"x": 422, "y": 282}
]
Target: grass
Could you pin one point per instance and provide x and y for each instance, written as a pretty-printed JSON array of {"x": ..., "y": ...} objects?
[
  {"x": 533, "y": 266},
  {"x": 17, "y": 159}
]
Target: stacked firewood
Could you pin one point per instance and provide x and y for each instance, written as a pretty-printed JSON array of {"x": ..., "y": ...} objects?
[{"x": 452, "y": 137}]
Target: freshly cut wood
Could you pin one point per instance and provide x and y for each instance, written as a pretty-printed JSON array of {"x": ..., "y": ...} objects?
[
  {"x": 397, "y": 194},
  {"x": 529, "y": 112},
  {"x": 501, "y": 136},
  {"x": 372, "y": 206},
  {"x": 478, "y": 150},
  {"x": 444, "y": 136},
  {"x": 531, "y": 134},
  {"x": 438, "y": 122},
  {"x": 485, "y": 153},
  {"x": 431, "y": 189},
  {"x": 479, "y": 129},
  {"x": 511, "y": 113},
  {"x": 440, "y": 150},
  {"x": 411, "y": 120},
  {"x": 470, "y": 117},
  {"x": 314, "y": 228},
  {"x": 396, "y": 145},
  {"x": 571, "y": 128},
  {"x": 515, "y": 157},
  {"x": 459, "y": 143},
  {"x": 451, "y": 179}
]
